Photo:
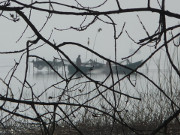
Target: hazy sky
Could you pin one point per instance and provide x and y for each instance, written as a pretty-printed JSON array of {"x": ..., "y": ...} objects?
[{"x": 102, "y": 42}]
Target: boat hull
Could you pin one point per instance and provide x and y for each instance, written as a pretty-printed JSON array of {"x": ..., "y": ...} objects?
[
  {"x": 125, "y": 69},
  {"x": 84, "y": 69}
]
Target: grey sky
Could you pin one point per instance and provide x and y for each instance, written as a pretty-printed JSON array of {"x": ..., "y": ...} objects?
[{"x": 103, "y": 43}]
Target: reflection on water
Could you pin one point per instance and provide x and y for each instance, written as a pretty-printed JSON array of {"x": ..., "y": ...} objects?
[
  {"x": 47, "y": 86},
  {"x": 44, "y": 79},
  {"x": 45, "y": 74},
  {"x": 41, "y": 80}
]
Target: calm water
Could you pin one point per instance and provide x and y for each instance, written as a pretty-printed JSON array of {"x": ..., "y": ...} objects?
[
  {"x": 49, "y": 87},
  {"x": 41, "y": 80}
]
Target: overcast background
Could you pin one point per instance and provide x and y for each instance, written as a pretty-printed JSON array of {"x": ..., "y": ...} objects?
[{"x": 102, "y": 42}]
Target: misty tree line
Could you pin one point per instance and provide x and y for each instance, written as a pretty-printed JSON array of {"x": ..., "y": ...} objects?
[{"x": 78, "y": 100}]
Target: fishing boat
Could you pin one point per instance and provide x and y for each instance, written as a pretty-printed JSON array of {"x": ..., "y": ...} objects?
[
  {"x": 94, "y": 64},
  {"x": 86, "y": 67},
  {"x": 41, "y": 64},
  {"x": 124, "y": 69}
]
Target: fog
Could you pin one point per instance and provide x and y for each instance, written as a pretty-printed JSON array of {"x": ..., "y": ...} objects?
[{"x": 101, "y": 42}]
